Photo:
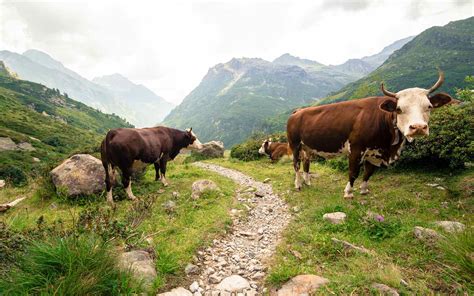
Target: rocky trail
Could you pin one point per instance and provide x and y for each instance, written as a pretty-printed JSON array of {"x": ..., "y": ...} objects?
[{"x": 237, "y": 263}]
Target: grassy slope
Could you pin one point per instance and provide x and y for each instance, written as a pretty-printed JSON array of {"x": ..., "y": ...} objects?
[
  {"x": 176, "y": 237},
  {"x": 405, "y": 201}
]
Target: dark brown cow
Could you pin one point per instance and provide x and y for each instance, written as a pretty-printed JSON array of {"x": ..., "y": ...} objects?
[
  {"x": 274, "y": 150},
  {"x": 123, "y": 146},
  {"x": 371, "y": 131}
]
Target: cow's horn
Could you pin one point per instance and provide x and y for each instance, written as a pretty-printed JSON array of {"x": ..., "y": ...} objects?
[
  {"x": 386, "y": 92},
  {"x": 438, "y": 83}
]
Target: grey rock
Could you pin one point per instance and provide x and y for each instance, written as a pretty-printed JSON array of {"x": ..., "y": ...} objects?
[
  {"x": 212, "y": 149},
  {"x": 180, "y": 291},
  {"x": 335, "y": 218},
  {"x": 25, "y": 146},
  {"x": 175, "y": 194},
  {"x": 79, "y": 174},
  {"x": 7, "y": 144},
  {"x": 214, "y": 279},
  {"x": 194, "y": 287},
  {"x": 385, "y": 290},
  {"x": 233, "y": 283},
  {"x": 451, "y": 226},
  {"x": 141, "y": 264},
  {"x": 169, "y": 206},
  {"x": 302, "y": 285},
  {"x": 36, "y": 159},
  {"x": 201, "y": 186},
  {"x": 191, "y": 269},
  {"x": 348, "y": 245},
  {"x": 425, "y": 234}
]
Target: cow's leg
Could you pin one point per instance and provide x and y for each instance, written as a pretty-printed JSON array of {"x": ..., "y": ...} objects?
[
  {"x": 157, "y": 170},
  {"x": 354, "y": 168},
  {"x": 109, "y": 182},
  {"x": 296, "y": 165},
  {"x": 306, "y": 174},
  {"x": 369, "y": 169},
  {"x": 127, "y": 183},
  {"x": 163, "y": 162}
]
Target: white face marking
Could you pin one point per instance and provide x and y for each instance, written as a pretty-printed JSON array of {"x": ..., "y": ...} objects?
[
  {"x": 196, "y": 144},
  {"x": 413, "y": 112},
  {"x": 262, "y": 148}
]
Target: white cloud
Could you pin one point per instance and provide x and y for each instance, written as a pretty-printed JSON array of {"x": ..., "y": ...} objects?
[{"x": 169, "y": 45}]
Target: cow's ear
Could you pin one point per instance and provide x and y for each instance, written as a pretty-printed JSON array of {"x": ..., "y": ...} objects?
[
  {"x": 388, "y": 106},
  {"x": 440, "y": 99}
]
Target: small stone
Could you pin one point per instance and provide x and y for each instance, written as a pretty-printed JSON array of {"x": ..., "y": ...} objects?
[
  {"x": 335, "y": 218},
  {"x": 194, "y": 287},
  {"x": 302, "y": 285},
  {"x": 267, "y": 180},
  {"x": 175, "y": 194},
  {"x": 451, "y": 226},
  {"x": 432, "y": 184},
  {"x": 214, "y": 279},
  {"x": 425, "y": 234},
  {"x": 191, "y": 269},
  {"x": 440, "y": 188},
  {"x": 234, "y": 211},
  {"x": 233, "y": 283},
  {"x": 385, "y": 290},
  {"x": 2, "y": 183},
  {"x": 160, "y": 191},
  {"x": 403, "y": 282},
  {"x": 259, "y": 193},
  {"x": 36, "y": 159},
  {"x": 258, "y": 275},
  {"x": 201, "y": 186},
  {"x": 295, "y": 209},
  {"x": 180, "y": 291},
  {"x": 169, "y": 206},
  {"x": 53, "y": 206},
  {"x": 247, "y": 233},
  {"x": 197, "y": 293},
  {"x": 141, "y": 264},
  {"x": 261, "y": 231}
]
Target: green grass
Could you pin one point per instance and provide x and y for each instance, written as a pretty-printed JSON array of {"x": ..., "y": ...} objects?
[
  {"x": 405, "y": 201},
  {"x": 81, "y": 265},
  {"x": 175, "y": 236}
]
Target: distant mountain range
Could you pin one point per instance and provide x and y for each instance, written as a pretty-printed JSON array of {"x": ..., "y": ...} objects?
[
  {"x": 137, "y": 104},
  {"x": 236, "y": 97}
]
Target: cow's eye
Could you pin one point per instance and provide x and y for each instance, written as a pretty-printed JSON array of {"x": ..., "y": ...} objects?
[{"x": 399, "y": 110}]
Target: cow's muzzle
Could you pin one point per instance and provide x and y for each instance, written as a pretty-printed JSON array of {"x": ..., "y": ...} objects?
[{"x": 418, "y": 130}]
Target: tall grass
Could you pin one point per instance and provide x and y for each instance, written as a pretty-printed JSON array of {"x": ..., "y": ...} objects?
[{"x": 83, "y": 265}]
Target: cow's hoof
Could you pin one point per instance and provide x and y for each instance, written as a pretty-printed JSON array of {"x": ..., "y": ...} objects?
[
  {"x": 348, "y": 196},
  {"x": 307, "y": 183},
  {"x": 364, "y": 192}
]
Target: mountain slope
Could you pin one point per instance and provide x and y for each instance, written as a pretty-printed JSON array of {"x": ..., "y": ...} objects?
[
  {"x": 233, "y": 98},
  {"x": 37, "y": 66},
  {"x": 52, "y": 123},
  {"x": 150, "y": 108},
  {"x": 448, "y": 48}
]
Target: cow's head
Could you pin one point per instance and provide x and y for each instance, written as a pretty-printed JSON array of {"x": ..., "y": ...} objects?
[
  {"x": 193, "y": 141},
  {"x": 264, "y": 148},
  {"x": 413, "y": 106}
]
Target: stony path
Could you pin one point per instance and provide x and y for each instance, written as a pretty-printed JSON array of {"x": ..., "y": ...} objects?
[{"x": 244, "y": 251}]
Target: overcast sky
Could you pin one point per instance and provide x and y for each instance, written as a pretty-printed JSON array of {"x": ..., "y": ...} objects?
[{"x": 169, "y": 45}]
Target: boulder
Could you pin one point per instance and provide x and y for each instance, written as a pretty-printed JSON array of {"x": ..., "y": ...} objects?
[
  {"x": 7, "y": 144},
  {"x": 451, "y": 226},
  {"x": 304, "y": 284},
  {"x": 425, "y": 234},
  {"x": 385, "y": 290},
  {"x": 335, "y": 218},
  {"x": 141, "y": 265},
  {"x": 233, "y": 283},
  {"x": 79, "y": 174},
  {"x": 25, "y": 146},
  {"x": 180, "y": 291},
  {"x": 212, "y": 149},
  {"x": 200, "y": 186}
]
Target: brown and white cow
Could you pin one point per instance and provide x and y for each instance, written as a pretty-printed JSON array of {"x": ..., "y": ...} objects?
[
  {"x": 123, "y": 146},
  {"x": 274, "y": 150},
  {"x": 371, "y": 131}
]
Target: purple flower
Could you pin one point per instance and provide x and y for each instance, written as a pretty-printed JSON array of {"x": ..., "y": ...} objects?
[{"x": 379, "y": 218}]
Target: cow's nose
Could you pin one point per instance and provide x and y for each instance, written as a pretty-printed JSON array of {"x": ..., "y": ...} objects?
[{"x": 419, "y": 128}]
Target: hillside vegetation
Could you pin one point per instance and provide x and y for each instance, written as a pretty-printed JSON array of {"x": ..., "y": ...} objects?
[{"x": 51, "y": 122}]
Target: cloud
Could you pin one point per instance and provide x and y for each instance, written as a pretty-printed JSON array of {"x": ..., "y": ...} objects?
[{"x": 348, "y": 5}]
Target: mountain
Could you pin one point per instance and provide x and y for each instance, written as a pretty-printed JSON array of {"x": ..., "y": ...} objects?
[
  {"x": 37, "y": 66},
  {"x": 150, "y": 108},
  {"x": 235, "y": 98},
  {"x": 54, "y": 124},
  {"x": 449, "y": 48},
  {"x": 377, "y": 59}
]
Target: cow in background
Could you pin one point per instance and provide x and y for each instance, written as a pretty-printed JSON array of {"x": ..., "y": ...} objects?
[
  {"x": 123, "y": 146},
  {"x": 274, "y": 150},
  {"x": 371, "y": 131}
]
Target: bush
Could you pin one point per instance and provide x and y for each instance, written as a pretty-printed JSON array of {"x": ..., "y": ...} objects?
[
  {"x": 248, "y": 150},
  {"x": 67, "y": 266},
  {"x": 451, "y": 140},
  {"x": 13, "y": 174}
]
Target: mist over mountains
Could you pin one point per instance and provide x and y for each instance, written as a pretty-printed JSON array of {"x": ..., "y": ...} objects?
[{"x": 136, "y": 103}]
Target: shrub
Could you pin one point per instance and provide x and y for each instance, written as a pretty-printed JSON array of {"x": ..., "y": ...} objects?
[
  {"x": 380, "y": 230},
  {"x": 451, "y": 140},
  {"x": 248, "y": 150},
  {"x": 83, "y": 265},
  {"x": 13, "y": 174}
]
